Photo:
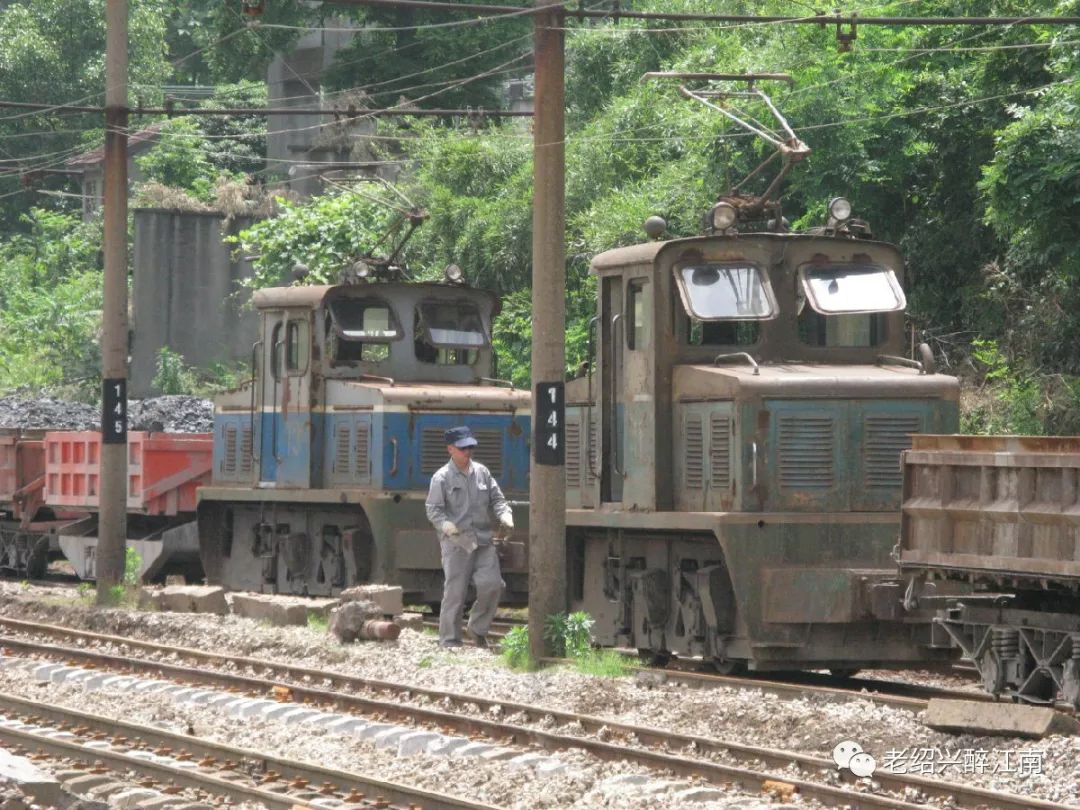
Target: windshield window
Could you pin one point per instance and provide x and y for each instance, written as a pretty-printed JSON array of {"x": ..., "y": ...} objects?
[
  {"x": 364, "y": 319},
  {"x": 714, "y": 292},
  {"x": 451, "y": 325},
  {"x": 851, "y": 288}
]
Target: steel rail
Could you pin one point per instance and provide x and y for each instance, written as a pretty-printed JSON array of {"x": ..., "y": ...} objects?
[
  {"x": 344, "y": 781},
  {"x": 965, "y": 796},
  {"x": 118, "y": 761}
]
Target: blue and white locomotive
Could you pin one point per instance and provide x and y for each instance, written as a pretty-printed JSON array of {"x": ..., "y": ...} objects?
[{"x": 322, "y": 459}]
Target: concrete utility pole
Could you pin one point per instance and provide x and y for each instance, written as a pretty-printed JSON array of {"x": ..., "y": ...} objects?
[
  {"x": 112, "y": 517},
  {"x": 547, "y": 489}
]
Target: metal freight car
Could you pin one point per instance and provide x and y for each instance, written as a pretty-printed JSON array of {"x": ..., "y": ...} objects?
[{"x": 1000, "y": 514}]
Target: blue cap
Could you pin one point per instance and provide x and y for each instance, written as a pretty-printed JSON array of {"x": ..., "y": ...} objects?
[{"x": 460, "y": 437}]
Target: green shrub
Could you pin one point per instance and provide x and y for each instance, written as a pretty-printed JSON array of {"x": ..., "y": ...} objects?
[
  {"x": 604, "y": 664},
  {"x": 514, "y": 649},
  {"x": 317, "y": 622}
]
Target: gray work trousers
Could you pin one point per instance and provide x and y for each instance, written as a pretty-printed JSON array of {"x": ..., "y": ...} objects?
[{"x": 481, "y": 566}]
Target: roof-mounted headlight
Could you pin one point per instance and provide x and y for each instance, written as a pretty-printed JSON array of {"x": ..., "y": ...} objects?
[
  {"x": 454, "y": 274},
  {"x": 839, "y": 209},
  {"x": 361, "y": 269},
  {"x": 722, "y": 216}
]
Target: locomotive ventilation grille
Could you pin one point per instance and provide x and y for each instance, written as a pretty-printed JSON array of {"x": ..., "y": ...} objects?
[
  {"x": 720, "y": 451},
  {"x": 694, "y": 444},
  {"x": 578, "y": 467},
  {"x": 885, "y": 438},
  {"x": 238, "y": 446},
  {"x": 806, "y": 452},
  {"x": 488, "y": 451},
  {"x": 351, "y": 456}
]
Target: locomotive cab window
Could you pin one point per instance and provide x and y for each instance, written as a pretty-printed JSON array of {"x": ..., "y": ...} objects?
[
  {"x": 449, "y": 333},
  {"x": 725, "y": 292},
  {"x": 361, "y": 330},
  {"x": 290, "y": 349},
  {"x": 637, "y": 313},
  {"x": 844, "y": 305}
]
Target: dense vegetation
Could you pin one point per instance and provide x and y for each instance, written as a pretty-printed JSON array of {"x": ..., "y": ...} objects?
[{"x": 960, "y": 144}]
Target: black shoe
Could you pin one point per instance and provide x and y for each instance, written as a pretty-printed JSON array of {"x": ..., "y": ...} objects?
[
  {"x": 479, "y": 640},
  {"x": 450, "y": 645}
]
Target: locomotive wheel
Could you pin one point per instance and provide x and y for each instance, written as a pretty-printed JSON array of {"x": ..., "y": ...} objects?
[
  {"x": 1070, "y": 680},
  {"x": 844, "y": 672},
  {"x": 654, "y": 658},
  {"x": 728, "y": 666},
  {"x": 37, "y": 561},
  {"x": 992, "y": 672}
]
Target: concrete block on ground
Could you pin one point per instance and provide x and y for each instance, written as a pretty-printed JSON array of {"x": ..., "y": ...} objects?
[
  {"x": 132, "y": 798},
  {"x": 280, "y": 611},
  {"x": 194, "y": 599},
  {"x": 30, "y": 779},
  {"x": 83, "y": 784},
  {"x": 446, "y": 746},
  {"x": 415, "y": 742},
  {"x": 700, "y": 794},
  {"x": 388, "y": 738},
  {"x": 297, "y": 715},
  {"x": 45, "y": 671},
  {"x": 149, "y": 599},
  {"x": 1007, "y": 719},
  {"x": 411, "y": 621},
  {"x": 388, "y": 598},
  {"x": 345, "y": 725},
  {"x": 369, "y": 731},
  {"x": 552, "y": 766},
  {"x": 473, "y": 749},
  {"x": 256, "y": 707},
  {"x": 529, "y": 760},
  {"x": 498, "y": 754}
]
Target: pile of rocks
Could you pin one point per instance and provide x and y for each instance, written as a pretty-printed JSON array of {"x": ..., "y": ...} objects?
[{"x": 176, "y": 414}]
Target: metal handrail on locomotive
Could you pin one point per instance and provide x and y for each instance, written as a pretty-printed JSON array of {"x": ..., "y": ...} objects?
[
  {"x": 733, "y": 457},
  {"x": 323, "y": 458}
]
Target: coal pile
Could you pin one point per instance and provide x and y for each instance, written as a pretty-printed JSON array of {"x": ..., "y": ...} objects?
[{"x": 175, "y": 414}]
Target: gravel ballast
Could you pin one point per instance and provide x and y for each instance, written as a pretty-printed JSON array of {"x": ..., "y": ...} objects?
[{"x": 808, "y": 725}]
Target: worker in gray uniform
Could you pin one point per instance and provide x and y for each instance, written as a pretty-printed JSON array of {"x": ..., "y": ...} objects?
[{"x": 463, "y": 504}]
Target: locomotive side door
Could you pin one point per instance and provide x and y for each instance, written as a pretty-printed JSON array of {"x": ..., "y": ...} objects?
[
  {"x": 612, "y": 407},
  {"x": 285, "y": 426}
]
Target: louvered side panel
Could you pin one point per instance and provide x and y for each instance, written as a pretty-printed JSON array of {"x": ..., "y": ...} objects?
[
  {"x": 361, "y": 459},
  {"x": 228, "y": 462},
  {"x": 342, "y": 440},
  {"x": 693, "y": 452},
  {"x": 488, "y": 450},
  {"x": 593, "y": 452},
  {"x": 806, "y": 452},
  {"x": 884, "y": 438},
  {"x": 720, "y": 451},
  {"x": 246, "y": 450},
  {"x": 432, "y": 450},
  {"x": 573, "y": 454}
]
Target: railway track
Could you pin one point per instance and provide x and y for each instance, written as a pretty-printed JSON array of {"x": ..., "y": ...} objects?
[
  {"x": 528, "y": 727},
  {"x": 80, "y": 742},
  {"x": 792, "y": 685}
]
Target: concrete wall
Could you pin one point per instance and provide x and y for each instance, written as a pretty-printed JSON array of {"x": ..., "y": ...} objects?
[{"x": 185, "y": 293}]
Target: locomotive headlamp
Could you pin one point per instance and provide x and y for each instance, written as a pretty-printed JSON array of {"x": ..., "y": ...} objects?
[
  {"x": 454, "y": 274},
  {"x": 361, "y": 269},
  {"x": 722, "y": 216},
  {"x": 839, "y": 209}
]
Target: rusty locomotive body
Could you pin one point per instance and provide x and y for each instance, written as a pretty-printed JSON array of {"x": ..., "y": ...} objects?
[
  {"x": 322, "y": 459},
  {"x": 733, "y": 459}
]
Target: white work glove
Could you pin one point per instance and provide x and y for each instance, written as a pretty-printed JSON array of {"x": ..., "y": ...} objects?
[
  {"x": 507, "y": 522},
  {"x": 449, "y": 529}
]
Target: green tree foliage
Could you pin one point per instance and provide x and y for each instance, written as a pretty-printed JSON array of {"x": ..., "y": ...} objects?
[
  {"x": 50, "y": 304},
  {"x": 435, "y": 64}
]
